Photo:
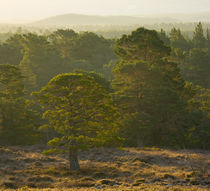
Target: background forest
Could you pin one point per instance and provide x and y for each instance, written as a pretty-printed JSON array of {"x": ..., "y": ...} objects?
[{"x": 158, "y": 82}]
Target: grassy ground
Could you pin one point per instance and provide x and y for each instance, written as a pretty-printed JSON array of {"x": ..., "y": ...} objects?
[{"x": 25, "y": 168}]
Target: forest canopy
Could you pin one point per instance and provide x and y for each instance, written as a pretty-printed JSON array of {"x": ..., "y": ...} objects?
[{"x": 156, "y": 84}]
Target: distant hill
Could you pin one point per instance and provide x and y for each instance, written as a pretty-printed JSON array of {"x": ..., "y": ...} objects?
[
  {"x": 76, "y": 19},
  {"x": 193, "y": 17}
]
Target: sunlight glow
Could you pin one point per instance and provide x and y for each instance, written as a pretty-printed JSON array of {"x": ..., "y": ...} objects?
[{"x": 34, "y": 10}]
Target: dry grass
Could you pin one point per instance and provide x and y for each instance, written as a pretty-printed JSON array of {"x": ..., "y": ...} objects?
[{"x": 25, "y": 168}]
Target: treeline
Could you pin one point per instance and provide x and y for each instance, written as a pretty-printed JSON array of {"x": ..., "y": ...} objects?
[
  {"x": 107, "y": 31},
  {"x": 158, "y": 83},
  {"x": 192, "y": 55}
]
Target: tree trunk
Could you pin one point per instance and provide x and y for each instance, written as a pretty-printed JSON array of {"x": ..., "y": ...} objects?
[{"x": 73, "y": 160}]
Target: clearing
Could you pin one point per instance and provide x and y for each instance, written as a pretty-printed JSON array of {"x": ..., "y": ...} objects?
[{"x": 26, "y": 168}]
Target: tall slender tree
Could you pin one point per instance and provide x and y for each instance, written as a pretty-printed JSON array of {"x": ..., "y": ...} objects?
[
  {"x": 149, "y": 90},
  {"x": 198, "y": 36},
  {"x": 17, "y": 125}
]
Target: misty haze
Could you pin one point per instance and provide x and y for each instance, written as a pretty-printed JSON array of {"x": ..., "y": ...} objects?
[{"x": 105, "y": 95}]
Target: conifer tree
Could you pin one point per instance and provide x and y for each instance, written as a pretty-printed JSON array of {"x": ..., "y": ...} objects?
[
  {"x": 81, "y": 112},
  {"x": 198, "y": 37},
  {"x": 150, "y": 92}
]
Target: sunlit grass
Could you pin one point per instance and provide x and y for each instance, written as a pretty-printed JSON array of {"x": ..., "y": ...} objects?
[{"x": 105, "y": 169}]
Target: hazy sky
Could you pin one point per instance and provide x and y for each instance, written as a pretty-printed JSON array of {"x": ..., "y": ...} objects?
[{"x": 37, "y": 9}]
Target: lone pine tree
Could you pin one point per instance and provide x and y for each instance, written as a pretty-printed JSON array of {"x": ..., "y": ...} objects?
[{"x": 81, "y": 112}]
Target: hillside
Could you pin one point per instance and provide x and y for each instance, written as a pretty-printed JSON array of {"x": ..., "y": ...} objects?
[
  {"x": 76, "y": 19},
  {"x": 25, "y": 168}
]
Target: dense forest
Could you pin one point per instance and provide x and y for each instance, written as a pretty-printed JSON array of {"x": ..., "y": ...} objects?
[{"x": 81, "y": 90}]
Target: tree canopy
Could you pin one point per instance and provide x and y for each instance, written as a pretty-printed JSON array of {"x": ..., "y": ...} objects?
[
  {"x": 81, "y": 112},
  {"x": 141, "y": 44},
  {"x": 17, "y": 125}
]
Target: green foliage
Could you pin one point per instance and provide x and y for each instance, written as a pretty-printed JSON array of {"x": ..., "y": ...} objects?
[
  {"x": 198, "y": 37},
  {"x": 42, "y": 57},
  {"x": 152, "y": 98},
  {"x": 199, "y": 131},
  {"x": 151, "y": 94},
  {"x": 80, "y": 111},
  {"x": 207, "y": 38},
  {"x": 141, "y": 44},
  {"x": 177, "y": 40},
  {"x": 99, "y": 78},
  {"x": 11, "y": 50},
  {"x": 197, "y": 68},
  {"x": 194, "y": 57},
  {"x": 17, "y": 124},
  {"x": 157, "y": 106},
  {"x": 64, "y": 41},
  {"x": 164, "y": 37},
  {"x": 95, "y": 50},
  {"x": 40, "y": 61}
]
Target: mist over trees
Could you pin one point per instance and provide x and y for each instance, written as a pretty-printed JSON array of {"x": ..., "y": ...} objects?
[{"x": 149, "y": 88}]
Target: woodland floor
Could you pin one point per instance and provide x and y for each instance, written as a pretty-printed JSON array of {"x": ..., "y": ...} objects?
[{"x": 148, "y": 169}]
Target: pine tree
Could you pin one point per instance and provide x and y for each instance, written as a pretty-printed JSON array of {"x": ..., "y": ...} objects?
[
  {"x": 81, "y": 112},
  {"x": 150, "y": 92},
  {"x": 198, "y": 37},
  {"x": 17, "y": 124}
]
